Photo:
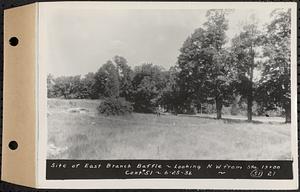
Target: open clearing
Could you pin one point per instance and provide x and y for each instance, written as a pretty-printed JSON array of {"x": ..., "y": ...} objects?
[{"x": 88, "y": 135}]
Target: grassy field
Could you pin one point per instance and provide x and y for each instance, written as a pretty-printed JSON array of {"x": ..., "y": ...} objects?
[{"x": 88, "y": 135}]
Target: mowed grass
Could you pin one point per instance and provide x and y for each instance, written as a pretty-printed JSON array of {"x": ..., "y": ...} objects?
[{"x": 146, "y": 136}]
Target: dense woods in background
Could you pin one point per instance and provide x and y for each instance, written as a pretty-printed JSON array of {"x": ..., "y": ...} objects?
[{"x": 249, "y": 73}]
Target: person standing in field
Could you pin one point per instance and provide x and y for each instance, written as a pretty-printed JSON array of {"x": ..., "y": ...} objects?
[{"x": 159, "y": 110}]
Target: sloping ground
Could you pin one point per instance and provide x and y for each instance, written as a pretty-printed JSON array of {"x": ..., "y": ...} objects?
[{"x": 145, "y": 136}]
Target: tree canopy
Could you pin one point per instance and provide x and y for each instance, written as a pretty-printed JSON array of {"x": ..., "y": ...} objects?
[
  {"x": 245, "y": 53},
  {"x": 275, "y": 85},
  {"x": 251, "y": 70}
]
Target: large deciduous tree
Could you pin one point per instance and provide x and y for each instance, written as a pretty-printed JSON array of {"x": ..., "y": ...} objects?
[
  {"x": 107, "y": 80},
  {"x": 244, "y": 54},
  {"x": 204, "y": 73},
  {"x": 275, "y": 85},
  {"x": 192, "y": 69},
  {"x": 219, "y": 71},
  {"x": 125, "y": 77},
  {"x": 148, "y": 83}
]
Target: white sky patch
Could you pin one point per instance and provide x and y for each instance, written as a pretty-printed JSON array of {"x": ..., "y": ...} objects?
[{"x": 81, "y": 41}]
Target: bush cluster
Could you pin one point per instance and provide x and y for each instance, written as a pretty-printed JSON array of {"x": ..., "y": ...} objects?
[{"x": 115, "y": 106}]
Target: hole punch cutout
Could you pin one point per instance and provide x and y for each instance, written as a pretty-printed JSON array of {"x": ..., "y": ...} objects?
[
  {"x": 13, "y": 145},
  {"x": 13, "y": 41}
]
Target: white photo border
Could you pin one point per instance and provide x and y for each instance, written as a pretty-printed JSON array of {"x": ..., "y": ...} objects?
[{"x": 249, "y": 184}]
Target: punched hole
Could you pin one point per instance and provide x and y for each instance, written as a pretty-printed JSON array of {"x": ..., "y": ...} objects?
[
  {"x": 13, "y": 41},
  {"x": 13, "y": 145}
]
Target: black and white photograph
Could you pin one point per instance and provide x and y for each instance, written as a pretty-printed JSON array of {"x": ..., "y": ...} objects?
[{"x": 168, "y": 84}]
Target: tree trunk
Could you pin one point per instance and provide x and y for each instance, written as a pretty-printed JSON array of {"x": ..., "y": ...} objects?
[
  {"x": 250, "y": 94},
  {"x": 219, "y": 106},
  {"x": 249, "y": 107},
  {"x": 287, "y": 113}
]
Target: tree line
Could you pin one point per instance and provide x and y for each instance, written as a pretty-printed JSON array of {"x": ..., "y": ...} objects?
[{"x": 253, "y": 66}]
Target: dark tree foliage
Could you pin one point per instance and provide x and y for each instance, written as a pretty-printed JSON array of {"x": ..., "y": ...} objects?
[
  {"x": 192, "y": 69},
  {"x": 115, "y": 106},
  {"x": 275, "y": 86},
  {"x": 244, "y": 52},
  {"x": 71, "y": 87},
  {"x": 67, "y": 87},
  {"x": 107, "y": 80},
  {"x": 88, "y": 86},
  {"x": 204, "y": 73},
  {"x": 219, "y": 81},
  {"x": 170, "y": 97},
  {"x": 125, "y": 74},
  {"x": 148, "y": 82}
]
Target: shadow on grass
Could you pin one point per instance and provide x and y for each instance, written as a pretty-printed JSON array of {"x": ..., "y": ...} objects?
[{"x": 235, "y": 121}]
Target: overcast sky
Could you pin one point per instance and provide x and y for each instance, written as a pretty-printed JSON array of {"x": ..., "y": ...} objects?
[{"x": 78, "y": 41}]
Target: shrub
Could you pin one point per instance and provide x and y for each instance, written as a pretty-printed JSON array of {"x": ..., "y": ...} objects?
[{"x": 115, "y": 106}]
